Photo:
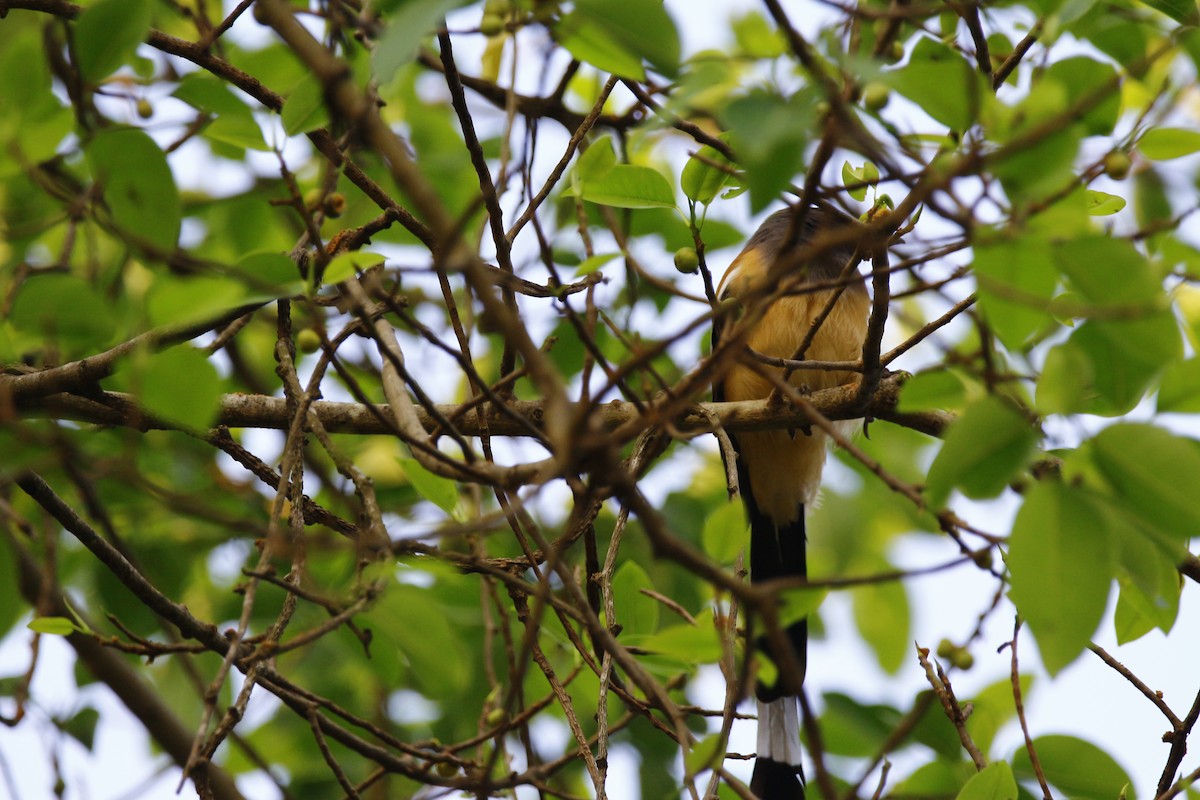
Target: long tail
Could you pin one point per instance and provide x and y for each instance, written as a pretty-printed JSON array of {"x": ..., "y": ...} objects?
[
  {"x": 778, "y": 551},
  {"x": 777, "y": 774}
]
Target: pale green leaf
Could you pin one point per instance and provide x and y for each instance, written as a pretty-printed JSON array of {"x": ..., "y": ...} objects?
[
  {"x": 411, "y": 22},
  {"x": 347, "y": 265},
  {"x": 442, "y": 492},
  {"x": 705, "y": 754},
  {"x": 636, "y": 613},
  {"x": 993, "y": 782},
  {"x": 1016, "y": 282},
  {"x": 593, "y": 263},
  {"x": 1079, "y": 769},
  {"x": 138, "y": 186},
  {"x": 58, "y": 306},
  {"x": 52, "y": 626},
  {"x": 935, "y": 389},
  {"x": 630, "y": 186},
  {"x": 1061, "y": 563},
  {"x": 1164, "y": 144},
  {"x": 1100, "y": 204},
  {"x": 984, "y": 449},
  {"x": 1136, "y": 459},
  {"x": 725, "y": 533},
  {"x": 304, "y": 110},
  {"x": 107, "y": 33},
  {"x": 181, "y": 385},
  {"x": 615, "y": 35},
  {"x": 883, "y": 617},
  {"x": 700, "y": 180}
]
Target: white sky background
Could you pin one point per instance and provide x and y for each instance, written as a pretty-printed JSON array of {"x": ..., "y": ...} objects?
[{"x": 1088, "y": 699}]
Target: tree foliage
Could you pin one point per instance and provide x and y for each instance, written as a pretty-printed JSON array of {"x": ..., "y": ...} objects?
[{"x": 347, "y": 366}]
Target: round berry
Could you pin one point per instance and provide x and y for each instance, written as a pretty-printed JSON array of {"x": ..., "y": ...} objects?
[{"x": 686, "y": 260}]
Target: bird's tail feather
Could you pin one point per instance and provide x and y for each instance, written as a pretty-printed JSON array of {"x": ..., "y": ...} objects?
[
  {"x": 777, "y": 771},
  {"x": 778, "y": 551}
]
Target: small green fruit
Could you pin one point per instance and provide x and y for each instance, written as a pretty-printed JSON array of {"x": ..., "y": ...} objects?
[
  {"x": 962, "y": 658},
  {"x": 334, "y": 205},
  {"x": 946, "y": 648},
  {"x": 1117, "y": 164},
  {"x": 491, "y": 25},
  {"x": 496, "y": 717},
  {"x": 446, "y": 770},
  {"x": 896, "y": 52},
  {"x": 145, "y": 109},
  {"x": 876, "y": 95},
  {"x": 313, "y": 199},
  {"x": 686, "y": 260},
  {"x": 308, "y": 341}
]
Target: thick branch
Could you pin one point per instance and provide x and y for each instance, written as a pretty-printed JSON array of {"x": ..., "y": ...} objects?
[{"x": 260, "y": 411}]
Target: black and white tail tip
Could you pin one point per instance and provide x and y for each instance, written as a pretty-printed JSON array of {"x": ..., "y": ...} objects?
[{"x": 777, "y": 771}]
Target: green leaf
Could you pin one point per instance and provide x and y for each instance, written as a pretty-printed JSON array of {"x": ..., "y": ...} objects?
[
  {"x": 1100, "y": 204},
  {"x": 1016, "y": 281},
  {"x": 596, "y": 161},
  {"x": 269, "y": 273},
  {"x": 883, "y": 617},
  {"x": 1125, "y": 355},
  {"x": 107, "y": 34},
  {"x": 52, "y": 626},
  {"x": 725, "y": 533},
  {"x": 442, "y": 492},
  {"x": 138, "y": 186},
  {"x": 233, "y": 122},
  {"x": 615, "y": 35},
  {"x": 690, "y": 644},
  {"x": 942, "y": 83},
  {"x": 593, "y": 263},
  {"x": 798, "y": 604},
  {"x": 993, "y": 708},
  {"x": 756, "y": 37},
  {"x": 1182, "y": 11},
  {"x": 934, "y": 389},
  {"x": 1078, "y": 768},
  {"x": 1164, "y": 144},
  {"x": 1109, "y": 271},
  {"x": 174, "y": 300},
  {"x": 305, "y": 110},
  {"x": 347, "y": 265},
  {"x": 81, "y": 726},
  {"x": 1179, "y": 389},
  {"x": 993, "y": 782},
  {"x": 63, "y": 306},
  {"x": 1066, "y": 381},
  {"x": 1081, "y": 76},
  {"x": 181, "y": 385},
  {"x": 1033, "y": 173},
  {"x": 769, "y": 134},
  {"x": 636, "y": 613},
  {"x": 1149, "y": 581},
  {"x": 414, "y": 620},
  {"x": 983, "y": 450},
  {"x": 863, "y": 177},
  {"x": 700, "y": 180},
  {"x": 852, "y": 728},
  {"x": 630, "y": 186},
  {"x": 705, "y": 754},
  {"x": 406, "y": 27},
  {"x": 1136, "y": 460},
  {"x": 1061, "y": 563}
]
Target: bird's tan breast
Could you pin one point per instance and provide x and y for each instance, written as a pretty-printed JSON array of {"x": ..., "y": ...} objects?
[{"x": 785, "y": 466}]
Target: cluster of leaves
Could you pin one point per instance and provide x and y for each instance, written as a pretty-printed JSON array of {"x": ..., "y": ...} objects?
[{"x": 214, "y": 217}]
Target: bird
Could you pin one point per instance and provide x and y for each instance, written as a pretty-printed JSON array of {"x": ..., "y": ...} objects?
[{"x": 779, "y": 471}]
